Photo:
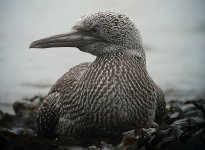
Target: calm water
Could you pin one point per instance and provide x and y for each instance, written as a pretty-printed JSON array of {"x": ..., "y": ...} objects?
[{"x": 173, "y": 34}]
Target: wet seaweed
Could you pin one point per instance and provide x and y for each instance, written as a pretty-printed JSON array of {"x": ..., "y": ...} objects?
[{"x": 182, "y": 128}]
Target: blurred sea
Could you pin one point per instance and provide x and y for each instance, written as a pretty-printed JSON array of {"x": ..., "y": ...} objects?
[{"x": 173, "y": 34}]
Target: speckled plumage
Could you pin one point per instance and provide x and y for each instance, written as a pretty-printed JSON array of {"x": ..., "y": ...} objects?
[{"x": 111, "y": 95}]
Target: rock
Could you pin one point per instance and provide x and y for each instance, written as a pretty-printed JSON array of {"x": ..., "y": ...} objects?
[
  {"x": 71, "y": 148},
  {"x": 92, "y": 148},
  {"x": 6, "y": 120},
  {"x": 183, "y": 128}
]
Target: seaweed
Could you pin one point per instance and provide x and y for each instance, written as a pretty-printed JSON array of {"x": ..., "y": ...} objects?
[{"x": 182, "y": 128}]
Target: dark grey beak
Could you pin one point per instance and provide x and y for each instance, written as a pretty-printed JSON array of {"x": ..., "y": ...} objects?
[{"x": 71, "y": 39}]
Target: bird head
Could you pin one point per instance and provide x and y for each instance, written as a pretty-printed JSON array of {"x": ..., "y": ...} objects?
[{"x": 99, "y": 33}]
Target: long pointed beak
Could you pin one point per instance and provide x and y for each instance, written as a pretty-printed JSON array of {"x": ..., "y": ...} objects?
[{"x": 71, "y": 39}]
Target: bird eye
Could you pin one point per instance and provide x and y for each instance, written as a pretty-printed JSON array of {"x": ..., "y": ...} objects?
[{"x": 94, "y": 30}]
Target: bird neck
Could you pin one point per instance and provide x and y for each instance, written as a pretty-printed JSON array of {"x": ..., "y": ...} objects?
[
  {"x": 115, "y": 50},
  {"x": 130, "y": 54},
  {"x": 120, "y": 58}
]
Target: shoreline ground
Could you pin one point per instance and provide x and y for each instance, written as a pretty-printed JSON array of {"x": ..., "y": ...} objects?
[{"x": 182, "y": 128}]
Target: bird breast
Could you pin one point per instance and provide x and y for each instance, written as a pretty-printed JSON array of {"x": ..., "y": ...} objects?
[{"x": 113, "y": 92}]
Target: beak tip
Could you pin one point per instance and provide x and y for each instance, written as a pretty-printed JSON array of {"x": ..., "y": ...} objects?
[
  {"x": 31, "y": 45},
  {"x": 34, "y": 45}
]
